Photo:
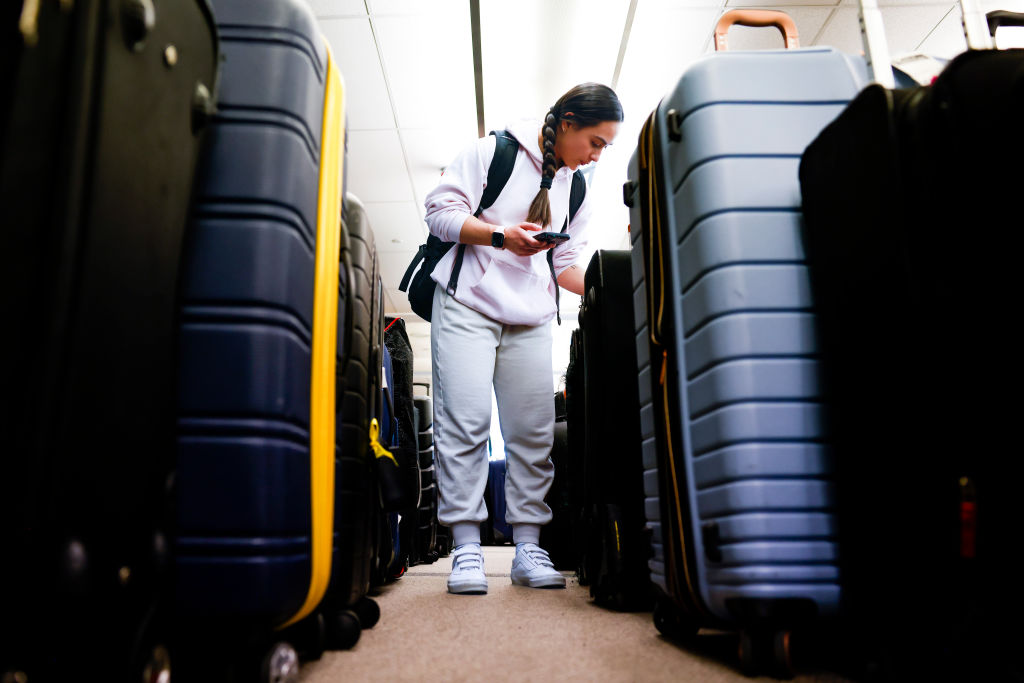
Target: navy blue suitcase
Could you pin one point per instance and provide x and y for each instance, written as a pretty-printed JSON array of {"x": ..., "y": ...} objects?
[
  {"x": 495, "y": 531},
  {"x": 394, "y": 558},
  {"x": 263, "y": 296}
]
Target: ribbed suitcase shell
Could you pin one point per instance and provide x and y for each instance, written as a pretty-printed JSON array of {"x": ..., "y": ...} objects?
[
  {"x": 427, "y": 529},
  {"x": 243, "y": 479},
  {"x": 359, "y": 380},
  {"x": 740, "y": 327}
]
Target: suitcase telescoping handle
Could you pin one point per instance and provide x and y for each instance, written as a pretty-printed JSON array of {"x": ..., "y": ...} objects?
[
  {"x": 756, "y": 18},
  {"x": 1002, "y": 17}
]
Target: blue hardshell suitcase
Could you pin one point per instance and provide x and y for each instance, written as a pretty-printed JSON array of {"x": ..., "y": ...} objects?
[
  {"x": 261, "y": 301},
  {"x": 496, "y": 531},
  {"x": 737, "y": 465}
]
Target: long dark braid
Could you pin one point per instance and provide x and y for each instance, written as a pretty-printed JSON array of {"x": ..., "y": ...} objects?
[
  {"x": 586, "y": 105},
  {"x": 540, "y": 209}
]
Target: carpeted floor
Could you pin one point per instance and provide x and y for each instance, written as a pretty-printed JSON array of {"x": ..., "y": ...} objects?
[{"x": 517, "y": 634}]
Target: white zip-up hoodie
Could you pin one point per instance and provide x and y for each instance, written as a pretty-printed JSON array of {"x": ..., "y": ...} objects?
[{"x": 515, "y": 290}]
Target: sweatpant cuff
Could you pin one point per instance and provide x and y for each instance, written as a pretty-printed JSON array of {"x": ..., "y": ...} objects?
[
  {"x": 526, "y": 533},
  {"x": 465, "y": 532}
]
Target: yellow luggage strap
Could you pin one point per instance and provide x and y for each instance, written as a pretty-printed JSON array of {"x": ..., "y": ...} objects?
[
  {"x": 325, "y": 343},
  {"x": 378, "y": 448}
]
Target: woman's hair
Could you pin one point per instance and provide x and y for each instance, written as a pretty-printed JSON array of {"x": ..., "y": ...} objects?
[{"x": 588, "y": 104}]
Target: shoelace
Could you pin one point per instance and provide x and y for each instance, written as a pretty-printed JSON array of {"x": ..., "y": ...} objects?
[
  {"x": 468, "y": 559},
  {"x": 538, "y": 555}
]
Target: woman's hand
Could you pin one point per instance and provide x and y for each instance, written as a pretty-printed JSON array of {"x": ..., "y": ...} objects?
[{"x": 519, "y": 241}]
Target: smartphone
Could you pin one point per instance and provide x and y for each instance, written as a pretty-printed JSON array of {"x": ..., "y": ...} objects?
[{"x": 556, "y": 237}]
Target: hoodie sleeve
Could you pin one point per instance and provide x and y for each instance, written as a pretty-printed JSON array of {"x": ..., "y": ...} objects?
[
  {"x": 579, "y": 236},
  {"x": 458, "y": 193}
]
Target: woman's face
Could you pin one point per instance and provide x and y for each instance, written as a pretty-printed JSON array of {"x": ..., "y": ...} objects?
[{"x": 576, "y": 146}]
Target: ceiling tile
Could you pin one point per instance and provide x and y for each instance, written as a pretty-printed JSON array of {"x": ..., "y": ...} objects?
[
  {"x": 397, "y": 226},
  {"x": 663, "y": 43},
  {"x": 428, "y": 61},
  {"x": 338, "y": 8},
  {"x": 576, "y": 41},
  {"x": 947, "y": 40},
  {"x": 773, "y": 4},
  {"x": 657, "y": 6},
  {"x": 417, "y": 6},
  {"x": 377, "y": 167},
  {"x": 1011, "y": 5},
  {"x": 429, "y": 151},
  {"x": 899, "y": 3},
  {"x": 366, "y": 95},
  {"x": 905, "y": 27}
]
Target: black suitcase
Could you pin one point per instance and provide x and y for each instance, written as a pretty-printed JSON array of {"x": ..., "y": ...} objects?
[
  {"x": 362, "y": 531},
  {"x": 557, "y": 535},
  {"x": 617, "y": 543},
  {"x": 433, "y": 539},
  {"x": 99, "y": 134},
  {"x": 575, "y": 410},
  {"x": 912, "y": 237},
  {"x": 406, "y": 452},
  {"x": 425, "y": 537}
]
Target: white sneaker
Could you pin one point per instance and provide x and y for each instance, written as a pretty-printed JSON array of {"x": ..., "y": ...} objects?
[
  {"x": 532, "y": 567},
  {"x": 467, "y": 570}
]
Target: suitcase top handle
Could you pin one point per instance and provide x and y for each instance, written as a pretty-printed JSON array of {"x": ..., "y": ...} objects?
[{"x": 756, "y": 18}]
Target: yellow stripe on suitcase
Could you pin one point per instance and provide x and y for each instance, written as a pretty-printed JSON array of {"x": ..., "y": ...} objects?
[{"x": 325, "y": 341}]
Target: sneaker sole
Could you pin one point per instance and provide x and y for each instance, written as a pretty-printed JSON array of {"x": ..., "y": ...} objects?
[
  {"x": 470, "y": 588},
  {"x": 540, "y": 583}
]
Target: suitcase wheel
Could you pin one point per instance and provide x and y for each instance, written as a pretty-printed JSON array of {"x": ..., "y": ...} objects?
[
  {"x": 280, "y": 665},
  {"x": 671, "y": 624},
  {"x": 342, "y": 629},
  {"x": 768, "y": 651},
  {"x": 368, "y": 612},
  {"x": 309, "y": 636}
]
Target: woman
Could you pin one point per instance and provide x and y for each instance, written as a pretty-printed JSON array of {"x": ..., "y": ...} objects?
[{"x": 495, "y": 329}]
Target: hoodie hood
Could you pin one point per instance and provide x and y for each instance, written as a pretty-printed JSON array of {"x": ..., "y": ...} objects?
[{"x": 526, "y": 132}]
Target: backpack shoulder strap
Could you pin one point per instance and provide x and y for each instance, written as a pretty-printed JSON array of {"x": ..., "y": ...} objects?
[
  {"x": 505, "y": 149},
  {"x": 576, "y": 194}
]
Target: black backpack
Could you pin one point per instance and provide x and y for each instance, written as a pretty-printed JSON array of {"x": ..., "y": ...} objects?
[{"x": 421, "y": 293}]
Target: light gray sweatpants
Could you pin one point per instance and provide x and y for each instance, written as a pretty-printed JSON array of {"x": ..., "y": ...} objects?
[{"x": 470, "y": 354}]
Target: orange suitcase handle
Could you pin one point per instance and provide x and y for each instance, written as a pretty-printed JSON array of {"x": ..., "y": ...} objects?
[{"x": 756, "y": 18}]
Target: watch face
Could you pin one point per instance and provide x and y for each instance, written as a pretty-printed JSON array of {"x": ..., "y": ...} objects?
[{"x": 497, "y": 240}]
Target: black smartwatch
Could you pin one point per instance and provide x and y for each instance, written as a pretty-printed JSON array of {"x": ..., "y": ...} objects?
[{"x": 498, "y": 239}]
